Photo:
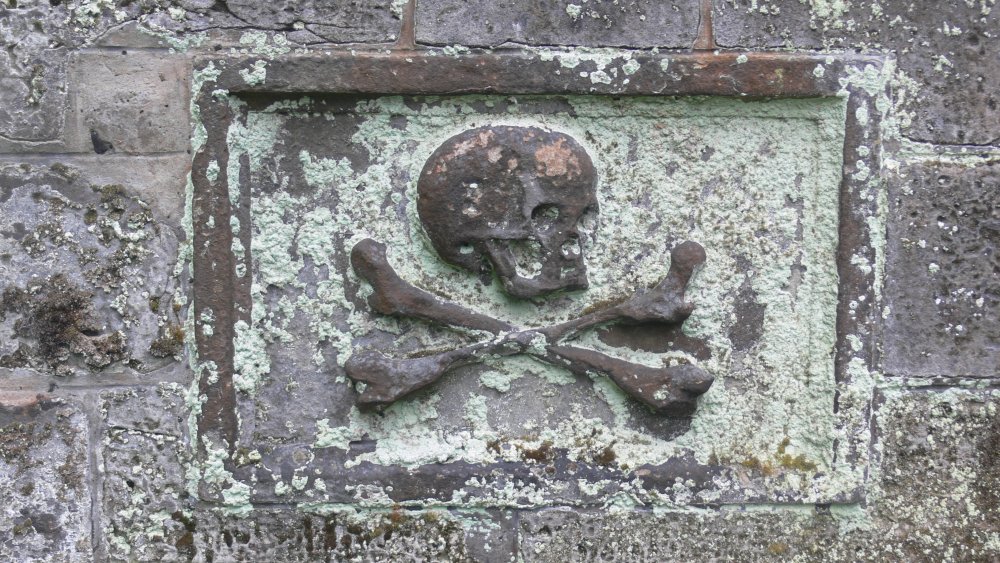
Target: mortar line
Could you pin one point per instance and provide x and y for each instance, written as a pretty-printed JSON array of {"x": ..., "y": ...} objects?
[
  {"x": 762, "y": 506},
  {"x": 517, "y": 532},
  {"x": 78, "y": 155},
  {"x": 81, "y": 389},
  {"x": 105, "y": 49},
  {"x": 939, "y": 384},
  {"x": 96, "y": 480}
]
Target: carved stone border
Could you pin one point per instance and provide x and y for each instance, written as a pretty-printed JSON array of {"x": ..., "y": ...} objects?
[{"x": 409, "y": 72}]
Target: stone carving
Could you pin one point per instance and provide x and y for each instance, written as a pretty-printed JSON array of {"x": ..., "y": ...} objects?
[
  {"x": 491, "y": 200},
  {"x": 494, "y": 197}
]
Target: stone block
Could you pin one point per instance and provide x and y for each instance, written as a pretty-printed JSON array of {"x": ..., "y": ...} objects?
[
  {"x": 356, "y": 21},
  {"x": 285, "y": 534},
  {"x": 145, "y": 504},
  {"x": 131, "y": 35},
  {"x": 149, "y": 514},
  {"x": 943, "y": 261},
  {"x": 44, "y": 479},
  {"x": 130, "y": 102},
  {"x": 933, "y": 498},
  {"x": 88, "y": 287},
  {"x": 937, "y": 486},
  {"x": 598, "y": 23},
  {"x": 949, "y": 59},
  {"x": 32, "y": 75}
]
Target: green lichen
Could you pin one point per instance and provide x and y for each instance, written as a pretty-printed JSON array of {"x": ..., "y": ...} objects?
[
  {"x": 250, "y": 362},
  {"x": 263, "y": 43},
  {"x": 212, "y": 471},
  {"x": 256, "y": 75}
]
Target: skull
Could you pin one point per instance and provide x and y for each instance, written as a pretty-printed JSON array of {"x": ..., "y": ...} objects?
[{"x": 517, "y": 200}]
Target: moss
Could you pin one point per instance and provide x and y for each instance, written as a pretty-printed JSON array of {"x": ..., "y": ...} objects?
[
  {"x": 64, "y": 171},
  {"x": 755, "y": 464},
  {"x": 19, "y": 358},
  {"x": 154, "y": 303},
  {"x": 170, "y": 343},
  {"x": 542, "y": 453},
  {"x": 431, "y": 517},
  {"x": 13, "y": 300},
  {"x": 23, "y": 527},
  {"x": 495, "y": 445},
  {"x": 606, "y": 456},
  {"x": 71, "y": 471},
  {"x": 15, "y": 441},
  {"x": 788, "y": 461},
  {"x": 110, "y": 192},
  {"x": 777, "y": 548},
  {"x": 60, "y": 317}
]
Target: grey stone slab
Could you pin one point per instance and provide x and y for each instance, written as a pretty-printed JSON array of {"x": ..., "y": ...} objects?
[
  {"x": 288, "y": 535},
  {"x": 148, "y": 513},
  {"x": 600, "y": 23},
  {"x": 32, "y": 75},
  {"x": 131, "y": 102},
  {"x": 131, "y": 35},
  {"x": 44, "y": 479},
  {"x": 948, "y": 53},
  {"x": 145, "y": 508},
  {"x": 339, "y": 22},
  {"x": 933, "y": 497},
  {"x": 943, "y": 271},
  {"x": 88, "y": 287},
  {"x": 937, "y": 484}
]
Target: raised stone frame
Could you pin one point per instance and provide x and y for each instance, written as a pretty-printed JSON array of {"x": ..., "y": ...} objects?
[{"x": 226, "y": 297}]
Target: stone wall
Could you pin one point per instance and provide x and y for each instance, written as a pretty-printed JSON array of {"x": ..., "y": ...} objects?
[{"x": 96, "y": 383}]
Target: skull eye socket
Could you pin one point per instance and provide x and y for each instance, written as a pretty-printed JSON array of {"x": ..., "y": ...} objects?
[{"x": 544, "y": 216}]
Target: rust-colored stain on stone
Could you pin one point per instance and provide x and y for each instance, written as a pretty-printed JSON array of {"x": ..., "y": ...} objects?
[{"x": 557, "y": 159}]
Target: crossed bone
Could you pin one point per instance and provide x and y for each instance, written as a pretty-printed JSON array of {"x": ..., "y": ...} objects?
[{"x": 669, "y": 390}]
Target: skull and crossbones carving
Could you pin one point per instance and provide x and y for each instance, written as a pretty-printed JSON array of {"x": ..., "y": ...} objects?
[{"x": 515, "y": 201}]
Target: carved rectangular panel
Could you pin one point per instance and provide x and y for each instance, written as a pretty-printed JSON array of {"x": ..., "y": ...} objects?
[{"x": 466, "y": 280}]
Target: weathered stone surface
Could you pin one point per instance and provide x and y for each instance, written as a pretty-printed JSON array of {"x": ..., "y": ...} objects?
[
  {"x": 130, "y": 35},
  {"x": 339, "y": 22},
  {"x": 933, "y": 498},
  {"x": 88, "y": 247},
  {"x": 601, "y": 23},
  {"x": 87, "y": 268},
  {"x": 150, "y": 511},
  {"x": 32, "y": 74},
  {"x": 948, "y": 53},
  {"x": 131, "y": 101},
  {"x": 275, "y": 534},
  {"x": 943, "y": 262},
  {"x": 44, "y": 479},
  {"x": 146, "y": 507},
  {"x": 936, "y": 491}
]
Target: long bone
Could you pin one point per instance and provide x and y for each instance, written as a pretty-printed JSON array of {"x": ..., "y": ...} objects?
[{"x": 669, "y": 390}]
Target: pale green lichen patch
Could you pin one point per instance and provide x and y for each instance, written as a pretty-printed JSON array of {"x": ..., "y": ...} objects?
[
  {"x": 255, "y": 75},
  {"x": 250, "y": 362},
  {"x": 212, "y": 471}
]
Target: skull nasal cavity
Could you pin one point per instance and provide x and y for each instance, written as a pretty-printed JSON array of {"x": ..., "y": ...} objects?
[{"x": 544, "y": 216}]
